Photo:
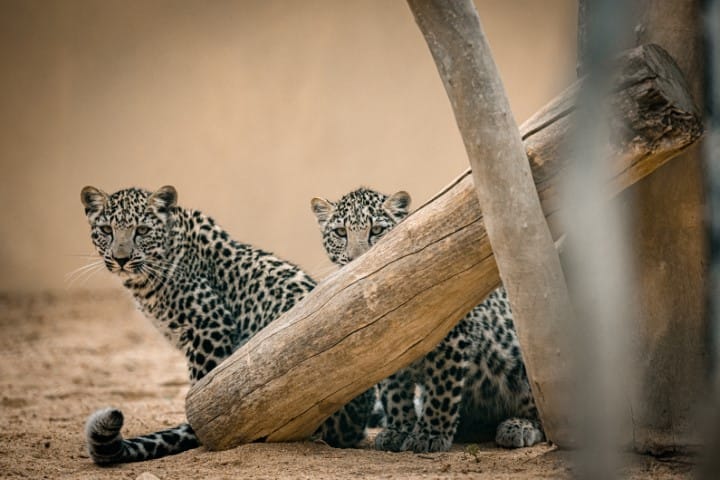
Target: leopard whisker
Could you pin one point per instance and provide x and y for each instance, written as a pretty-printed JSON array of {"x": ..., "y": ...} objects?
[
  {"x": 160, "y": 261},
  {"x": 81, "y": 269},
  {"x": 170, "y": 268},
  {"x": 83, "y": 273},
  {"x": 155, "y": 273},
  {"x": 90, "y": 273}
]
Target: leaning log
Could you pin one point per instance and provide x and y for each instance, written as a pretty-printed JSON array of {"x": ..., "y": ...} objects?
[
  {"x": 513, "y": 217},
  {"x": 396, "y": 303}
]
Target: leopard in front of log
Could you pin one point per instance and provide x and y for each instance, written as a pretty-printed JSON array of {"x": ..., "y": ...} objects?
[
  {"x": 473, "y": 385},
  {"x": 207, "y": 293}
]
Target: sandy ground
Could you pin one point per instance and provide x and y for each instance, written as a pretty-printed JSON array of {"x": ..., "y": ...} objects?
[{"x": 62, "y": 356}]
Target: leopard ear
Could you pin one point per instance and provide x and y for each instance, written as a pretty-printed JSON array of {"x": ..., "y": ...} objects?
[
  {"x": 94, "y": 200},
  {"x": 397, "y": 205},
  {"x": 163, "y": 199},
  {"x": 322, "y": 209}
]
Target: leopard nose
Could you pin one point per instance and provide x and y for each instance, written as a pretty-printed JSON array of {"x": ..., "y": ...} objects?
[{"x": 121, "y": 261}]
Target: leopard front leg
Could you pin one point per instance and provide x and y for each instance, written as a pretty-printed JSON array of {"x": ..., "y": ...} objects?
[
  {"x": 348, "y": 426},
  {"x": 209, "y": 330},
  {"x": 397, "y": 394},
  {"x": 434, "y": 430},
  {"x": 524, "y": 429},
  {"x": 206, "y": 349}
]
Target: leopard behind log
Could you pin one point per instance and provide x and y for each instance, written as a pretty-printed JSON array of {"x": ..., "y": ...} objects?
[{"x": 473, "y": 384}]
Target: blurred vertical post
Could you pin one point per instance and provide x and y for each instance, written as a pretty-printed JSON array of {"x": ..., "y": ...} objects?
[
  {"x": 711, "y": 153},
  {"x": 523, "y": 247},
  {"x": 712, "y": 167},
  {"x": 596, "y": 259}
]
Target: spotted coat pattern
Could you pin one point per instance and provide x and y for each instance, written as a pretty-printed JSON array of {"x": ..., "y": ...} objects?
[
  {"x": 473, "y": 384},
  {"x": 207, "y": 293}
]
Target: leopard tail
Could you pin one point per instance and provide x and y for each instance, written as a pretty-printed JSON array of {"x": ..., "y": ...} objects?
[{"x": 107, "y": 446}]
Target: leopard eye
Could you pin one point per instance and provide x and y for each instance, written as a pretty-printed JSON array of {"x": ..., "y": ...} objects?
[
  {"x": 106, "y": 229},
  {"x": 142, "y": 230},
  {"x": 377, "y": 229},
  {"x": 341, "y": 232}
]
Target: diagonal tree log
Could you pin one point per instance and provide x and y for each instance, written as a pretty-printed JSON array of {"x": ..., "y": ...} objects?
[
  {"x": 397, "y": 302},
  {"x": 514, "y": 220}
]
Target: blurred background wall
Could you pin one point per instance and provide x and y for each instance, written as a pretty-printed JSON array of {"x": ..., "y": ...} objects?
[{"x": 249, "y": 108}]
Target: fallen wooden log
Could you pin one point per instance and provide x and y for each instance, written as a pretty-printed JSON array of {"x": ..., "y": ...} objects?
[
  {"x": 512, "y": 214},
  {"x": 397, "y": 302}
]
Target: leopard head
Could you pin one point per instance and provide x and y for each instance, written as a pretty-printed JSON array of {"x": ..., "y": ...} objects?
[
  {"x": 130, "y": 228},
  {"x": 357, "y": 221}
]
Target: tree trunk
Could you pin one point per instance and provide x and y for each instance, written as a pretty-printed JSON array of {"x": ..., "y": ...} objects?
[
  {"x": 516, "y": 227},
  {"x": 669, "y": 238},
  {"x": 398, "y": 301}
]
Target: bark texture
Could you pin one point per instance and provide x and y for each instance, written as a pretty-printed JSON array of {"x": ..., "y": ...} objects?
[
  {"x": 397, "y": 302},
  {"x": 669, "y": 240},
  {"x": 518, "y": 232}
]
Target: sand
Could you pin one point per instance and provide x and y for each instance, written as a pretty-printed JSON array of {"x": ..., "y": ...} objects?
[{"x": 65, "y": 355}]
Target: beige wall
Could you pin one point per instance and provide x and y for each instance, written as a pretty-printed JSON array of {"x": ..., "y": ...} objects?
[{"x": 249, "y": 108}]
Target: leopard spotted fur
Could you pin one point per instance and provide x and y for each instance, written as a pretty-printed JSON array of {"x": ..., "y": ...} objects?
[
  {"x": 207, "y": 293},
  {"x": 473, "y": 384}
]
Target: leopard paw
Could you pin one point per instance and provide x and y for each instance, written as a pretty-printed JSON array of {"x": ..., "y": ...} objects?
[
  {"x": 518, "y": 433},
  {"x": 390, "y": 440},
  {"x": 423, "y": 442}
]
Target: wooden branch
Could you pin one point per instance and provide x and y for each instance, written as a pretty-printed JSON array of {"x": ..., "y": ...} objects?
[
  {"x": 398, "y": 301},
  {"x": 513, "y": 217}
]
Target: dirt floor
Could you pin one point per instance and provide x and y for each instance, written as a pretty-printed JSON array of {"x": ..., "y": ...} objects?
[{"x": 63, "y": 356}]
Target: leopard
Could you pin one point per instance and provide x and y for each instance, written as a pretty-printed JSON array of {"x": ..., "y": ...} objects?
[
  {"x": 473, "y": 386},
  {"x": 207, "y": 293}
]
